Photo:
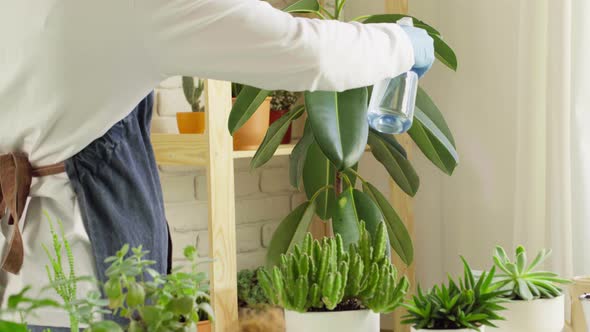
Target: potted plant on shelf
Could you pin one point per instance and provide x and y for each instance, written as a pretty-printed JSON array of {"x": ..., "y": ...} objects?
[
  {"x": 254, "y": 123},
  {"x": 324, "y": 162},
  {"x": 463, "y": 305},
  {"x": 192, "y": 122},
  {"x": 281, "y": 104},
  {"x": 324, "y": 287},
  {"x": 536, "y": 299}
]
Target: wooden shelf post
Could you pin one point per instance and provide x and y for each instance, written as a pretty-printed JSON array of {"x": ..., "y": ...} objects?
[{"x": 222, "y": 224}]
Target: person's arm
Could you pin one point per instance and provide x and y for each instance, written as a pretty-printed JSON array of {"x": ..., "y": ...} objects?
[{"x": 248, "y": 41}]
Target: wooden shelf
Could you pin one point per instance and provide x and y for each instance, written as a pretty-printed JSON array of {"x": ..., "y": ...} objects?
[
  {"x": 192, "y": 149},
  {"x": 283, "y": 150}
]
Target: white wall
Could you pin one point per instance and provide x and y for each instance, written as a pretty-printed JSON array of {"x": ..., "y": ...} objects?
[{"x": 471, "y": 211}]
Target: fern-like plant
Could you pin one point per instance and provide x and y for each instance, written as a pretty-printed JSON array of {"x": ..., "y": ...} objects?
[
  {"x": 523, "y": 281},
  {"x": 464, "y": 304}
]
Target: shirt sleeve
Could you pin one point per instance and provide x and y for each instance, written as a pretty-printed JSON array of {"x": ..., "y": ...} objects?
[{"x": 250, "y": 42}]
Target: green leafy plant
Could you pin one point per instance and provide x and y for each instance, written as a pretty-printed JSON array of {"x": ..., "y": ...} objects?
[
  {"x": 193, "y": 92},
  {"x": 336, "y": 134},
  {"x": 165, "y": 302},
  {"x": 523, "y": 281},
  {"x": 282, "y": 100},
  {"x": 464, "y": 304},
  {"x": 322, "y": 275},
  {"x": 250, "y": 293}
]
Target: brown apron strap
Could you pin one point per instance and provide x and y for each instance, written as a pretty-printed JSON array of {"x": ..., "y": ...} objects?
[{"x": 15, "y": 184}]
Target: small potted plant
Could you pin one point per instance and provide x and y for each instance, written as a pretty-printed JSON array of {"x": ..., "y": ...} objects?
[
  {"x": 536, "y": 300},
  {"x": 251, "y": 133},
  {"x": 250, "y": 293},
  {"x": 463, "y": 305},
  {"x": 192, "y": 122},
  {"x": 281, "y": 103},
  {"x": 323, "y": 287}
]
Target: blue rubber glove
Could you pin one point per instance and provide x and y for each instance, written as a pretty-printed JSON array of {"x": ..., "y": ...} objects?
[{"x": 423, "y": 49}]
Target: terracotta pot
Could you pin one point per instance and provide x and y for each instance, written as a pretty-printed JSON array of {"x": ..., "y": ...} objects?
[
  {"x": 540, "y": 315},
  {"x": 204, "y": 326},
  {"x": 251, "y": 134},
  {"x": 191, "y": 122},
  {"x": 274, "y": 116},
  {"x": 341, "y": 321}
]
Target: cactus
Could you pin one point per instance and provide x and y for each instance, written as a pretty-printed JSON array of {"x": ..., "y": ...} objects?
[
  {"x": 319, "y": 275},
  {"x": 193, "y": 93}
]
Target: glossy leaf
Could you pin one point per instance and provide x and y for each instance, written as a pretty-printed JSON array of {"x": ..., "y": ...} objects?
[
  {"x": 345, "y": 220},
  {"x": 339, "y": 124},
  {"x": 369, "y": 212},
  {"x": 303, "y": 6},
  {"x": 399, "y": 237},
  {"x": 393, "y": 18},
  {"x": 274, "y": 136},
  {"x": 444, "y": 53},
  {"x": 298, "y": 155},
  {"x": 12, "y": 327},
  {"x": 399, "y": 168},
  {"x": 290, "y": 232},
  {"x": 318, "y": 173},
  {"x": 432, "y": 135},
  {"x": 247, "y": 102}
]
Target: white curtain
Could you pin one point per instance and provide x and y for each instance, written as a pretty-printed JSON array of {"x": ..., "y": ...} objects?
[{"x": 518, "y": 107}]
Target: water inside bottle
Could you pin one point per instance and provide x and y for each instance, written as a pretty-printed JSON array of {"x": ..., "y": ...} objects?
[{"x": 391, "y": 108}]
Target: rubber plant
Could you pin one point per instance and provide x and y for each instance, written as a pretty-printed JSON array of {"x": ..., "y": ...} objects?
[{"x": 325, "y": 160}]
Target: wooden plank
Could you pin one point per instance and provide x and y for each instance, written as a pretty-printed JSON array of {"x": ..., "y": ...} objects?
[
  {"x": 396, "y": 7},
  {"x": 222, "y": 225},
  {"x": 282, "y": 150},
  {"x": 175, "y": 149}
]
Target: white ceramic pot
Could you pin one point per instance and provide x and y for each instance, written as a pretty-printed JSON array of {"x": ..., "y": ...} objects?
[
  {"x": 481, "y": 329},
  {"x": 543, "y": 315},
  {"x": 341, "y": 321}
]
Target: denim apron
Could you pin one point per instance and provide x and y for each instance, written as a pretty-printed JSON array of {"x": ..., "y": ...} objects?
[{"x": 117, "y": 185}]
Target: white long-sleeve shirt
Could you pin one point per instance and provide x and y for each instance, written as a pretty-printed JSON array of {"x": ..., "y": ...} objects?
[{"x": 70, "y": 69}]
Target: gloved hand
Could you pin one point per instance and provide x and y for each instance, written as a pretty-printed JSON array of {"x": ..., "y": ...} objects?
[{"x": 423, "y": 49}]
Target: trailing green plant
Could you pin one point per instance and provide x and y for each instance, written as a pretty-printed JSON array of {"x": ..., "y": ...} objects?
[
  {"x": 193, "y": 92},
  {"x": 282, "y": 100},
  {"x": 522, "y": 280},
  {"x": 322, "y": 275},
  {"x": 250, "y": 293},
  {"x": 324, "y": 161},
  {"x": 468, "y": 303}
]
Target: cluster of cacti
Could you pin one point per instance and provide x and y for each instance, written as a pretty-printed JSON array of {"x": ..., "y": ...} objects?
[
  {"x": 322, "y": 274},
  {"x": 193, "y": 93}
]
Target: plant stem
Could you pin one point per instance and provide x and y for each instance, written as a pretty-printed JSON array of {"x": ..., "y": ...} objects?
[
  {"x": 358, "y": 175},
  {"x": 360, "y": 18},
  {"x": 338, "y": 184},
  {"x": 315, "y": 195},
  {"x": 326, "y": 13}
]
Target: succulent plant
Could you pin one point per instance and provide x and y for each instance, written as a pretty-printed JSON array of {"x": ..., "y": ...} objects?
[
  {"x": 320, "y": 275},
  {"x": 250, "y": 294},
  {"x": 468, "y": 303},
  {"x": 282, "y": 100},
  {"x": 523, "y": 281},
  {"x": 193, "y": 92}
]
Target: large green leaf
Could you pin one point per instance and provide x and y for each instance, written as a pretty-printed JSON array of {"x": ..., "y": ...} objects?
[
  {"x": 6, "y": 326},
  {"x": 318, "y": 173},
  {"x": 247, "y": 102},
  {"x": 345, "y": 220},
  {"x": 399, "y": 168},
  {"x": 298, "y": 155},
  {"x": 399, "y": 237},
  {"x": 432, "y": 135},
  {"x": 290, "y": 232},
  {"x": 273, "y": 137},
  {"x": 339, "y": 124},
  {"x": 367, "y": 211},
  {"x": 393, "y": 18},
  {"x": 303, "y": 6},
  {"x": 444, "y": 53}
]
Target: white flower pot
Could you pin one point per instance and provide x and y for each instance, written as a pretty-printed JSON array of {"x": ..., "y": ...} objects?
[
  {"x": 340, "y": 321},
  {"x": 542, "y": 315},
  {"x": 481, "y": 329}
]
